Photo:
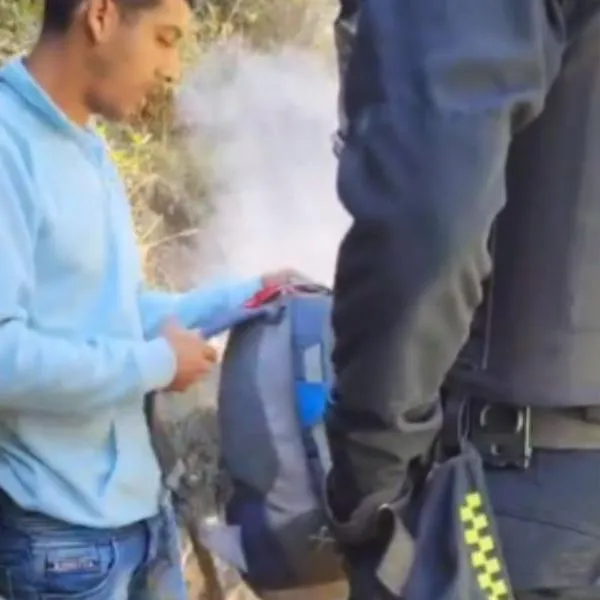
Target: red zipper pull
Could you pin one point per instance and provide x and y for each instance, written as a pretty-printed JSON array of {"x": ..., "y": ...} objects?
[{"x": 264, "y": 296}]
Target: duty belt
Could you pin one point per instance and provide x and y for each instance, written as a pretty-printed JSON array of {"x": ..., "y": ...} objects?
[
  {"x": 565, "y": 429},
  {"x": 507, "y": 435}
]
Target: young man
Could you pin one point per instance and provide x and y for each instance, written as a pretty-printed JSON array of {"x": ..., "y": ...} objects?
[{"x": 81, "y": 341}]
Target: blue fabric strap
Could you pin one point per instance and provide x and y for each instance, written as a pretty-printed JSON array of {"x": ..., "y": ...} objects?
[{"x": 309, "y": 319}]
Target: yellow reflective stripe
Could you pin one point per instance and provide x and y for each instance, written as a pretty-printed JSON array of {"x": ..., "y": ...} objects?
[{"x": 482, "y": 548}]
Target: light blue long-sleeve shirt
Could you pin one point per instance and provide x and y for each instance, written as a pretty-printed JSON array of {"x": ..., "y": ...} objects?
[{"x": 78, "y": 345}]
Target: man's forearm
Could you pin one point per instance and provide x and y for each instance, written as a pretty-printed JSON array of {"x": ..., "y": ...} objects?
[
  {"x": 433, "y": 92},
  {"x": 46, "y": 374},
  {"x": 196, "y": 308}
]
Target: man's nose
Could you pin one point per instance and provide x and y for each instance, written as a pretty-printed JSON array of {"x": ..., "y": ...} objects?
[{"x": 171, "y": 74}]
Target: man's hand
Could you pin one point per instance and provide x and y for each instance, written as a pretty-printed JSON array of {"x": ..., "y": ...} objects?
[{"x": 195, "y": 357}]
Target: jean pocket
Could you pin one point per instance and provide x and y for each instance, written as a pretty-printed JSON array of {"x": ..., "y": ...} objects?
[{"x": 70, "y": 569}]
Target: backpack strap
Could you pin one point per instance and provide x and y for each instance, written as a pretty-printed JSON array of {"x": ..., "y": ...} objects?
[{"x": 311, "y": 348}]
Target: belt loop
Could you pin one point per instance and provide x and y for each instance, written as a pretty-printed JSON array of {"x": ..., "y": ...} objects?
[{"x": 455, "y": 425}]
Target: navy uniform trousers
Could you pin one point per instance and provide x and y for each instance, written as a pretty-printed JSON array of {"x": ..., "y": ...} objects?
[{"x": 522, "y": 80}]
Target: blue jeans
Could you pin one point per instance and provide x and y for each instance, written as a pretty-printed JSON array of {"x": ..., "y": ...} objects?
[{"x": 44, "y": 559}]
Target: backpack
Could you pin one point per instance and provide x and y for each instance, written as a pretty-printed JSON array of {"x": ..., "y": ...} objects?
[{"x": 275, "y": 380}]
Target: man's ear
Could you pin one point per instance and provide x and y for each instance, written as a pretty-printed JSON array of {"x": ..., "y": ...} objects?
[{"x": 102, "y": 18}]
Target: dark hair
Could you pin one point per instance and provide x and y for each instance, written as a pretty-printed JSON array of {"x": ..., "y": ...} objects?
[{"x": 58, "y": 14}]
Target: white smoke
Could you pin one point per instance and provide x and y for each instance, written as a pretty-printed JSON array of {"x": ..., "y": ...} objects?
[{"x": 266, "y": 121}]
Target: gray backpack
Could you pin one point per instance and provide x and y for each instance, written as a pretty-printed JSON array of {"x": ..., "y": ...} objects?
[
  {"x": 274, "y": 385},
  {"x": 275, "y": 382}
]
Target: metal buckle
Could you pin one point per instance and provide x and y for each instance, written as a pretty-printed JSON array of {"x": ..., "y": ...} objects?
[{"x": 501, "y": 433}]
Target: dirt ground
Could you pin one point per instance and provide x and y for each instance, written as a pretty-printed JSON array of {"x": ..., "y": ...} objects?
[
  {"x": 232, "y": 587},
  {"x": 239, "y": 591}
]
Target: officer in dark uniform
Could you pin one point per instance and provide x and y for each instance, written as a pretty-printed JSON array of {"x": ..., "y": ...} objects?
[{"x": 467, "y": 294}]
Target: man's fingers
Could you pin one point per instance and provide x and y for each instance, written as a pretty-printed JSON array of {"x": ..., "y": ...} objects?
[{"x": 210, "y": 354}]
